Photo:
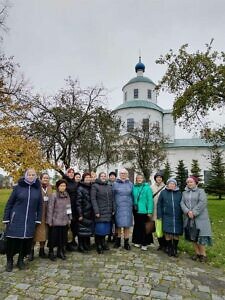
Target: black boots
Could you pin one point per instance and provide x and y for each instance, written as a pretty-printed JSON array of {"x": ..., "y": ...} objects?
[
  {"x": 31, "y": 255},
  {"x": 172, "y": 248},
  {"x": 81, "y": 247},
  {"x": 126, "y": 244},
  {"x": 42, "y": 253},
  {"x": 51, "y": 254},
  {"x": 117, "y": 242},
  {"x": 175, "y": 244},
  {"x": 104, "y": 244},
  {"x": 98, "y": 244},
  {"x": 9, "y": 264},
  {"x": 162, "y": 243},
  {"x": 20, "y": 263},
  {"x": 61, "y": 253}
]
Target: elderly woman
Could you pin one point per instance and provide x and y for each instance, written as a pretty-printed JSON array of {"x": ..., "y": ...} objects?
[
  {"x": 59, "y": 215},
  {"x": 169, "y": 211},
  {"x": 85, "y": 213},
  {"x": 41, "y": 230},
  {"x": 157, "y": 187},
  {"x": 22, "y": 212},
  {"x": 194, "y": 206},
  {"x": 103, "y": 205},
  {"x": 122, "y": 190},
  {"x": 143, "y": 211}
]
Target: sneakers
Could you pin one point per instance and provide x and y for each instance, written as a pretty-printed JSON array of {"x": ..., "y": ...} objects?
[
  {"x": 144, "y": 248},
  {"x": 137, "y": 245}
]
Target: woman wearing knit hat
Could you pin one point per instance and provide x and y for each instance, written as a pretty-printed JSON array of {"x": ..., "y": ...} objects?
[
  {"x": 59, "y": 215},
  {"x": 194, "y": 206},
  {"x": 157, "y": 188},
  {"x": 169, "y": 211}
]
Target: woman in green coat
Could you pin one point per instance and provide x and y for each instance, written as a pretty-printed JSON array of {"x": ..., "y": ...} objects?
[{"x": 143, "y": 210}]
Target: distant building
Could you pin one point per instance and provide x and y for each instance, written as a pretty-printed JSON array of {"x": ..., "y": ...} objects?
[{"x": 140, "y": 107}]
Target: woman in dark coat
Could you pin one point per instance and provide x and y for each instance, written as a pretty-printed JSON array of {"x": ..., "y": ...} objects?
[
  {"x": 85, "y": 213},
  {"x": 169, "y": 211},
  {"x": 103, "y": 206},
  {"x": 23, "y": 210},
  {"x": 194, "y": 206},
  {"x": 72, "y": 187}
]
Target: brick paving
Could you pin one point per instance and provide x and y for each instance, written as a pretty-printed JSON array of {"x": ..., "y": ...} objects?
[{"x": 117, "y": 274}]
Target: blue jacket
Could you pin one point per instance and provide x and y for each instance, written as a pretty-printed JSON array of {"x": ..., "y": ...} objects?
[
  {"x": 23, "y": 210},
  {"x": 122, "y": 191},
  {"x": 169, "y": 210}
]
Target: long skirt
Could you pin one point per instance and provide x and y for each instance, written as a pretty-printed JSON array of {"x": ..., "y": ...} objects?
[
  {"x": 139, "y": 231},
  {"x": 21, "y": 246},
  {"x": 102, "y": 228},
  {"x": 57, "y": 236}
]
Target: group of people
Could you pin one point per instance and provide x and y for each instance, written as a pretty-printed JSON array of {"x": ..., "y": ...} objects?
[{"x": 100, "y": 207}]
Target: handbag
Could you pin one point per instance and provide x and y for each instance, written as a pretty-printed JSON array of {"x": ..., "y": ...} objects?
[
  {"x": 149, "y": 226},
  {"x": 191, "y": 232},
  {"x": 158, "y": 228},
  {"x": 2, "y": 243}
]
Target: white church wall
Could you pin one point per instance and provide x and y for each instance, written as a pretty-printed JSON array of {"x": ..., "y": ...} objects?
[
  {"x": 168, "y": 127},
  {"x": 187, "y": 154},
  {"x": 139, "y": 114},
  {"x": 143, "y": 88}
]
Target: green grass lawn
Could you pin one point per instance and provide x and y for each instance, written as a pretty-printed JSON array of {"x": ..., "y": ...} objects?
[{"x": 216, "y": 253}]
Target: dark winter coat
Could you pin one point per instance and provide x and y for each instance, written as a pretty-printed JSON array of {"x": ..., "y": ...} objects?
[
  {"x": 85, "y": 210},
  {"x": 23, "y": 210},
  {"x": 122, "y": 191},
  {"x": 102, "y": 201},
  {"x": 169, "y": 210},
  {"x": 196, "y": 201},
  {"x": 59, "y": 209},
  {"x": 72, "y": 187}
]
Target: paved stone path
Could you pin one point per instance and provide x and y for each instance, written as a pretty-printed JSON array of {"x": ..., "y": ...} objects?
[{"x": 118, "y": 274}]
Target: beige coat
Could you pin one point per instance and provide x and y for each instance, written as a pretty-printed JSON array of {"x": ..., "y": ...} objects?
[
  {"x": 41, "y": 231},
  {"x": 155, "y": 188}
]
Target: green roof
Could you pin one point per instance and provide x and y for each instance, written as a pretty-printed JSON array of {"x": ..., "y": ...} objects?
[
  {"x": 194, "y": 142},
  {"x": 139, "y": 79},
  {"x": 141, "y": 104}
]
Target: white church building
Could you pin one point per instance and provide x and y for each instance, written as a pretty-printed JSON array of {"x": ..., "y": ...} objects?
[{"x": 140, "y": 106}]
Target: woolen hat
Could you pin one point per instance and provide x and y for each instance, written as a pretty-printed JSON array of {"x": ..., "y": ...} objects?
[
  {"x": 60, "y": 181},
  {"x": 158, "y": 174},
  {"x": 112, "y": 173},
  {"x": 196, "y": 180},
  {"x": 171, "y": 180}
]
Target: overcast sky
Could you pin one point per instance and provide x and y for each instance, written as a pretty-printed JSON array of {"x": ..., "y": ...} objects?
[{"x": 98, "y": 41}]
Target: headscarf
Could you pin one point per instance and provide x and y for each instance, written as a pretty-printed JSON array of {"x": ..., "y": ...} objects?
[
  {"x": 194, "y": 178},
  {"x": 26, "y": 177}
]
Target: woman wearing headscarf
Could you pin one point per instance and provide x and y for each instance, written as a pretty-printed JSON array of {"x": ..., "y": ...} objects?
[
  {"x": 41, "y": 231},
  {"x": 157, "y": 188},
  {"x": 22, "y": 212},
  {"x": 103, "y": 206},
  {"x": 85, "y": 213},
  {"x": 143, "y": 211},
  {"x": 122, "y": 190},
  {"x": 169, "y": 211},
  {"x": 194, "y": 206}
]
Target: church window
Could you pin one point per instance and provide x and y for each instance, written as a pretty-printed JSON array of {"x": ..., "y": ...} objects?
[
  {"x": 135, "y": 93},
  {"x": 145, "y": 124},
  {"x": 149, "y": 94},
  {"x": 130, "y": 124},
  {"x": 125, "y": 96}
]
